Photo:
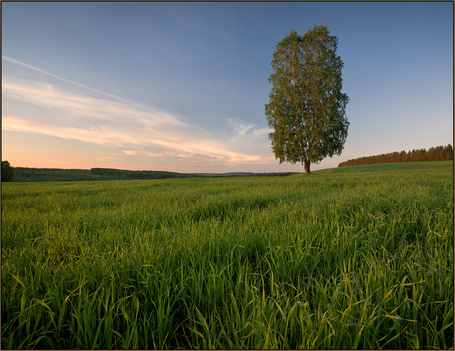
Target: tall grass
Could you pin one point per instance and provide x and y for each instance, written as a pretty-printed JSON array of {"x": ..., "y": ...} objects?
[{"x": 360, "y": 260}]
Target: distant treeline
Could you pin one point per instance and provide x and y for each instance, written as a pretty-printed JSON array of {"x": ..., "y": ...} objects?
[
  {"x": 438, "y": 153},
  {"x": 24, "y": 174},
  {"x": 120, "y": 174}
]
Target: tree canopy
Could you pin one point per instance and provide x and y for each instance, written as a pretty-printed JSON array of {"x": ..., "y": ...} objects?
[
  {"x": 7, "y": 172},
  {"x": 307, "y": 108}
]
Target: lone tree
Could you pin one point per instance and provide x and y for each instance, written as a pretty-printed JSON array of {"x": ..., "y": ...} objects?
[{"x": 306, "y": 107}]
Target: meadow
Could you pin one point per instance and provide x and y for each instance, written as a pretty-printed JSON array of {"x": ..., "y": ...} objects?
[{"x": 332, "y": 260}]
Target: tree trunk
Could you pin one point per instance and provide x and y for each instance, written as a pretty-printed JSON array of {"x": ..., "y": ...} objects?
[{"x": 306, "y": 165}]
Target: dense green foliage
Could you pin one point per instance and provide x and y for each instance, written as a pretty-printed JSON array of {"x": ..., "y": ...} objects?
[
  {"x": 438, "y": 153},
  {"x": 354, "y": 260},
  {"x": 7, "y": 172},
  {"x": 307, "y": 108}
]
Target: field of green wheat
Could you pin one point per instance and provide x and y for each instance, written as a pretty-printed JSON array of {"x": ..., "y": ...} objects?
[{"x": 350, "y": 260}]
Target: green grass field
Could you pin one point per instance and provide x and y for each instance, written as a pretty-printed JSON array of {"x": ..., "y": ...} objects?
[
  {"x": 396, "y": 166},
  {"x": 331, "y": 260}
]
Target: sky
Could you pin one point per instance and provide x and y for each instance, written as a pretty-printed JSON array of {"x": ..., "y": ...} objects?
[{"x": 181, "y": 86}]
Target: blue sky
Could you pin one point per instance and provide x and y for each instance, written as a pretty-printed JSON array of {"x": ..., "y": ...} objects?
[{"x": 182, "y": 86}]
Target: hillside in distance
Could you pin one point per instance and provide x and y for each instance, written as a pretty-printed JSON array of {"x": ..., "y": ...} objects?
[
  {"x": 440, "y": 156},
  {"x": 394, "y": 166},
  {"x": 24, "y": 174}
]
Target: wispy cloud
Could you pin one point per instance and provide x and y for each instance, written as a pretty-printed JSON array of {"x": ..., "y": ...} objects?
[
  {"x": 247, "y": 129},
  {"x": 26, "y": 65},
  {"x": 143, "y": 153},
  {"x": 90, "y": 115},
  {"x": 239, "y": 127}
]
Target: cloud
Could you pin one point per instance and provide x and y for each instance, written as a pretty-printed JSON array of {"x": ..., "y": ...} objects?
[
  {"x": 93, "y": 116},
  {"x": 130, "y": 152},
  {"x": 239, "y": 127},
  {"x": 248, "y": 129},
  {"x": 261, "y": 131},
  {"x": 143, "y": 153},
  {"x": 26, "y": 65},
  {"x": 49, "y": 96}
]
